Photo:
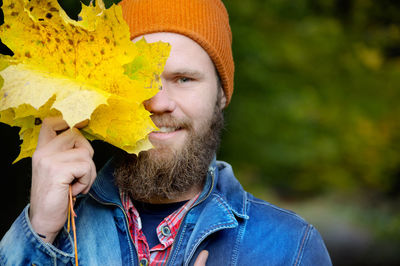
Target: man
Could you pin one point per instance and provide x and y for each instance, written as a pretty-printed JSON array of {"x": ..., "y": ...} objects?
[{"x": 175, "y": 203}]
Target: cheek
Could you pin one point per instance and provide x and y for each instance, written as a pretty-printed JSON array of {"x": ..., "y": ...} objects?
[
  {"x": 197, "y": 105},
  {"x": 199, "y": 115}
]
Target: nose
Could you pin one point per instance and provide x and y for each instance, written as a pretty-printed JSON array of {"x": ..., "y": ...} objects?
[{"x": 160, "y": 103}]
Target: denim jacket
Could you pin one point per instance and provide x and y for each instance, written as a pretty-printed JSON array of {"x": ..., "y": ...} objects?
[{"x": 235, "y": 227}]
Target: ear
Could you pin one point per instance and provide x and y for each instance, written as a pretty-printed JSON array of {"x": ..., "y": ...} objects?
[{"x": 222, "y": 98}]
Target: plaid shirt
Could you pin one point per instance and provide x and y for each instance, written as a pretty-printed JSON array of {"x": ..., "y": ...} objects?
[{"x": 166, "y": 232}]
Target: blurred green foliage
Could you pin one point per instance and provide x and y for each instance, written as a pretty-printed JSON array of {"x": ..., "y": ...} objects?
[{"x": 315, "y": 107}]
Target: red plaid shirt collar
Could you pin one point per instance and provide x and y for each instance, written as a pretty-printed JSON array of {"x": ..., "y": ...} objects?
[{"x": 166, "y": 232}]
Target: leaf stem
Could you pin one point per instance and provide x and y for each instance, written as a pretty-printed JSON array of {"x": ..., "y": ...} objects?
[{"x": 71, "y": 217}]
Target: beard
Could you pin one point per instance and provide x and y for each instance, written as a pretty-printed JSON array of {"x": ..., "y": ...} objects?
[{"x": 164, "y": 173}]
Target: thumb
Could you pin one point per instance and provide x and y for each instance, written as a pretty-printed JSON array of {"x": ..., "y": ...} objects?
[{"x": 202, "y": 258}]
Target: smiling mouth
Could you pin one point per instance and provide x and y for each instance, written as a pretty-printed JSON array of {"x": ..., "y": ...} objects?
[{"x": 167, "y": 129}]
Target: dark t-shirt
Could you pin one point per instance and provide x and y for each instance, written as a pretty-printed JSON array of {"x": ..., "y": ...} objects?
[{"x": 152, "y": 215}]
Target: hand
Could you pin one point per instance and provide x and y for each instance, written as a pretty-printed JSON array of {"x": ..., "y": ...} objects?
[
  {"x": 59, "y": 160},
  {"x": 202, "y": 258}
]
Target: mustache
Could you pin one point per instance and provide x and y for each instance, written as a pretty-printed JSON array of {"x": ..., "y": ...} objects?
[{"x": 167, "y": 120}]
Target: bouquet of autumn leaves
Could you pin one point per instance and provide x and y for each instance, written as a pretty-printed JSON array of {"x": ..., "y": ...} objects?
[{"x": 81, "y": 70}]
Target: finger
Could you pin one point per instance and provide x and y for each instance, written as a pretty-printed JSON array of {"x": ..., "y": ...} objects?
[
  {"x": 72, "y": 155},
  {"x": 82, "y": 142},
  {"x": 82, "y": 124},
  {"x": 201, "y": 259},
  {"x": 93, "y": 175},
  {"x": 65, "y": 141},
  {"x": 82, "y": 172},
  {"x": 49, "y": 128}
]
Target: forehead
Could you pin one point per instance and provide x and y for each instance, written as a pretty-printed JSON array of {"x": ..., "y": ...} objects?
[{"x": 185, "y": 53}]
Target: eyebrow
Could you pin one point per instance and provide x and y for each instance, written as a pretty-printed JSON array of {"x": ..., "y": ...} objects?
[{"x": 187, "y": 72}]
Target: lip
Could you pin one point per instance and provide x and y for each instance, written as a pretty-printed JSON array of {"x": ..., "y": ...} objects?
[{"x": 162, "y": 136}]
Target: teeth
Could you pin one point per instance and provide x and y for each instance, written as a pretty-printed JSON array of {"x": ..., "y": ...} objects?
[{"x": 166, "y": 129}]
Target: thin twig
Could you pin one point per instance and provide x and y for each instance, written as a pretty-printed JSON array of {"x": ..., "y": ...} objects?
[{"x": 71, "y": 216}]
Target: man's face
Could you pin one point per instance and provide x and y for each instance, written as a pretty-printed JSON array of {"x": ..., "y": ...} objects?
[
  {"x": 187, "y": 110},
  {"x": 188, "y": 95}
]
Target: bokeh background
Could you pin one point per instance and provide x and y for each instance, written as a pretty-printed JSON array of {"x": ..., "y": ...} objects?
[{"x": 313, "y": 125}]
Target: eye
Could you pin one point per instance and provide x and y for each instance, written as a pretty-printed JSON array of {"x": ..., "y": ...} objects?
[{"x": 183, "y": 80}]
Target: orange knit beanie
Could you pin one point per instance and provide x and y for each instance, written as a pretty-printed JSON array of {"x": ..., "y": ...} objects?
[{"x": 204, "y": 21}]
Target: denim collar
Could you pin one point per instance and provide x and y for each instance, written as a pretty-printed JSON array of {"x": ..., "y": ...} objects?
[
  {"x": 104, "y": 188},
  {"x": 220, "y": 182}
]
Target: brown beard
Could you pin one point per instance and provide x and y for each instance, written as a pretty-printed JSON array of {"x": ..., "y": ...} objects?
[{"x": 166, "y": 173}]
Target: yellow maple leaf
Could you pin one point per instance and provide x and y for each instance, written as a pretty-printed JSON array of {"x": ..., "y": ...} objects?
[{"x": 85, "y": 69}]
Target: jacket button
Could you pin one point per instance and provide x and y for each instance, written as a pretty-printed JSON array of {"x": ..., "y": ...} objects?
[
  {"x": 144, "y": 262},
  {"x": 165, "y": 231},
  {"x": 211, "y": 171}
]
